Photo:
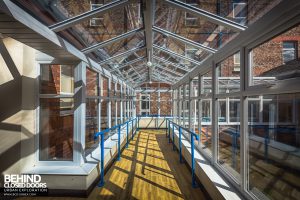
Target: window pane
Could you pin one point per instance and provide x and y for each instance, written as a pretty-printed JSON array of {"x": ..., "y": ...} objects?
[
  {"x": 234, "y": 110},
  {"x": 276, "y": 59},
  {"x": 229, "y": 136},
  {"x": 104, "y": 115},
  {"x": 92, "y": 83},
  {"x": 56, "y": 129},
  {"x": 67, "y": 81},
  {"x": 91, "y": 125},
  {"x": 113, "y": 113},
  {"x": 273, "y": 146},
  {"x": 229, "y": 75},
  {"x": 50, "y": 79},
  {"x": 206, "y": 126}
]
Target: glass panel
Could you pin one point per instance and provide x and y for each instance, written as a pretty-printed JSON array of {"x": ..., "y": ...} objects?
[
  {"x": 272, "y": 62},
  {"x": 113, "y": 113},
  {"x": 207, "y": 83},
  {"x": 91, "y": 125},
  {"x": 229, "y": 136},
  {"x": 92, "y": 83},
  {"x": 229, "y": 74},
  {"x": 234, "y": 110},
  {"x": 104, "y": 86},
  {"x": 67, "y": 80},
  {"x": 206, "y": 126},
  {"x": 50, "y": 79},
  {"x": 104, "y": 115},
  {"x": 56, "y": 129},
  {"x": 274, "y": 146}
]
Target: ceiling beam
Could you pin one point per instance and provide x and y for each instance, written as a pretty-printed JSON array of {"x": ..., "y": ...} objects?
[
  {"x": 168, "y": 70},
  {"x": 87, "y": 15},
  {"x": 216, "y": 19},
  {"x": 168, "y": 51},
  {"x": 184, "y": 40},
  {"x": 149, "y": 22},
  {"x": 122, "y": 54},
  {"x": 112, "y": 40},
  {"x": 170, "y": 63},
  {"x": 128, "y": 63}
]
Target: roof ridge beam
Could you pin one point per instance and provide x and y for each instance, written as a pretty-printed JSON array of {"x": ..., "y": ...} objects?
[
  {"x": 109, "y": 41},
  {"x": 168, "y": 51},
  {"x": 87, "y": 15},
  {"x": 183, "y": 39},
  {"x": 216, "y": 19}
]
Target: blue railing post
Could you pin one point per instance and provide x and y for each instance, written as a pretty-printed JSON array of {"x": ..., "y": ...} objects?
[
  {"x": 166, "y": 127},
  {"x": 101, "y": 183},
  {"x": 266, "y": 141},
  {"x": 127, "y": 134},
  {"x": 180, "y": 154},
  {"x": 194, "y": 184},
  {"x": 234, "y": 147},
  {"x": 132, "y": 134},
  {"x": 170, "y": 131},
  {"x": 119, "y": 143},
  {"x": 173, "y": 137}
]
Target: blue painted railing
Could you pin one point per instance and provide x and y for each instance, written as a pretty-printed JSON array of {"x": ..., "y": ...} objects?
[
  {"x": 193, "y": 135},
  {"x": 101, "y": 134}
]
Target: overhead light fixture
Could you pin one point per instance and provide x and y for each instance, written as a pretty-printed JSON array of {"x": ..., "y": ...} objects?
[{"x": 149, "y": 64}]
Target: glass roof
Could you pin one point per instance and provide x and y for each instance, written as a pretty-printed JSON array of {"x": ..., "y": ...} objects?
[{"x": 116, "y": 38}]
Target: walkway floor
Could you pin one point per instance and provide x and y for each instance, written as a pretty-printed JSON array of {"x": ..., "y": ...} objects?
[{"x": 148, "y": 169}]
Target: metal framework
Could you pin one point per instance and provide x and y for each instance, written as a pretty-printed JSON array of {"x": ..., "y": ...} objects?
[
  {"x": 168, "y": 51},
  {"x": 112, "y": 40},
  {"x": 206, "y": 15},
  {"x": 183, "y": 39},
  {"x": 88, "y": 15},
  {"x": 170, "y": 63},
  {"x": 122, "y": 54},
  {"x": 128, "y": 63}
]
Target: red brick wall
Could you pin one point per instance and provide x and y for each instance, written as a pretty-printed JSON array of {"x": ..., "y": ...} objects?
[{"x": 165, "y": 103}]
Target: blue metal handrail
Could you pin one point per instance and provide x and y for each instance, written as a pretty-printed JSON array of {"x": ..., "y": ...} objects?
[
  {"x": 180, "y": 128},
  {"x": 101, "y": 135}
]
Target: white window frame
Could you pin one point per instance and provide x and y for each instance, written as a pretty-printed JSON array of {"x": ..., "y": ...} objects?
[
  {"x": 96, "y": 18},
  {"x": 295, "y": 44},
  {"x": 147, "y": 111}
]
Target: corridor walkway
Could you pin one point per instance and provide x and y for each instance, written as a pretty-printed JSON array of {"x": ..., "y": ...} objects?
[{"x": 149, "y": 169}]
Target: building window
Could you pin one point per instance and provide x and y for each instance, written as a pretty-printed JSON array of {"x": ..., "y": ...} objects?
[
  {"x": 99, "y": 20},
  {"x": 145, "y": 104},
  {"x": 289, "y": 51},
  {"x": 239, "y": 11},
  {"x": 56, "y": 122},
  {"x": 190, "y": 19},
  {"x": 236, "y": 62}
]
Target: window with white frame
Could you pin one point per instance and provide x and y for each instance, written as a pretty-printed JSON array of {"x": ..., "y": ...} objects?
[
  {"x": 99, "y": 20},
  {"x": 145, "y": 104},
  {"x": 190, "y": 19},
  {"x": 289, "y": 50},
  {"x": 236, "y": 62},
  {"x": 239, "y": 11}
]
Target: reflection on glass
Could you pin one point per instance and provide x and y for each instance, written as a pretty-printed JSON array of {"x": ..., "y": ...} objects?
[
  {"x": 91, "y": 124},
  {"x": 229, "y": 136},
  {"x": 274, "y": 148},
  {"x": 276, "y": 59},
  {"x": 56, "y": 129},
  {"x": 229, "y": 74}
]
